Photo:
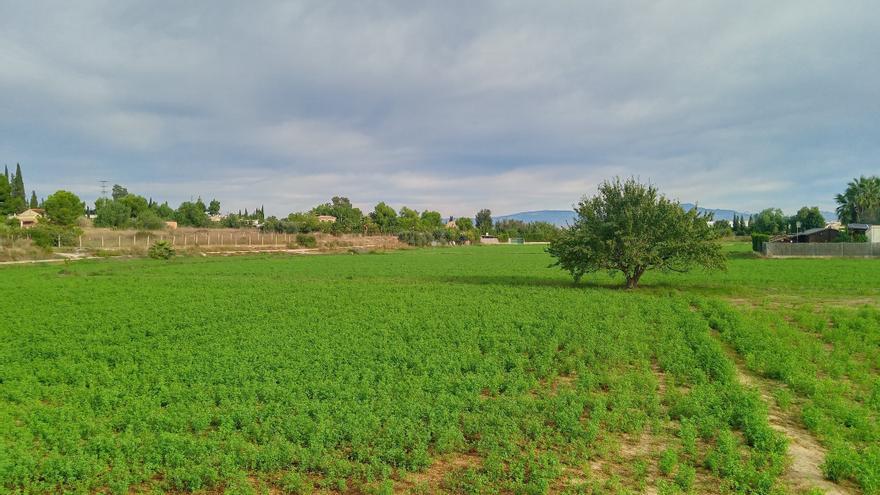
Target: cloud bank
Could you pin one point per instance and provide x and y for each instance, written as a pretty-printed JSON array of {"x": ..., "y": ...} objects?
[{"x": 454, "y": 106}]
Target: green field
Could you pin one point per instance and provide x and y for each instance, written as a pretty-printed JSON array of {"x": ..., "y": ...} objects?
[{"x": 456, "y": 370}]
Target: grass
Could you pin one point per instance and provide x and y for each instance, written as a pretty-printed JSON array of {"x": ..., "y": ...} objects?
[{"x": 476, "y": 369}]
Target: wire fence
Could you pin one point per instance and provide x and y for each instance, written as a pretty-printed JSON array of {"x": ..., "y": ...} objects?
[
  {"x": 180, "y": 240},
  {"x": 823, "y": 249}
]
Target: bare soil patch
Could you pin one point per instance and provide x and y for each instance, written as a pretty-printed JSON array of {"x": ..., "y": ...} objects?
[
  {"x": 432, "y": 477},
  {"x": 804, "y": 450}
]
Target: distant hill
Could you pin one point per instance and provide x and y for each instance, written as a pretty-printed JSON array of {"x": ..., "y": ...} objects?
[
  {"x": 562, "y": 218},
  {"x": 717, "y": 214}
]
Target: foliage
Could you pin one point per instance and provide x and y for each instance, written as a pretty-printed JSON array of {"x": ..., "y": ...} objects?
[
  {"x": 348, "y": 218},
  {"x": 111, "y": 213},
  {"x": 431, "y": 220},
  {"x": 5, "y": 196},
  {"x": 149, "y": 220},
  {"x": 529, "y": 232},
  {"x": 63, "y": 208},
  {"x": 127, "y": 210},
  {"x": 464, "y": 224},
  {"x": 384, "y": 217},
  {"x": 306, "y": 240},
  {"x": 48, "y": 236},
  {"x": 17, "y": 199},
  {"x": 722, "y": 228},
  {"x": 118, "y": 192},
  {"x": 629, "y": 227},
  {"x": 860, "y": 203},
  {"x": 810, "y": 218},
  {"x": 770, "y": 221},
  {"x": 483, "y": 221},
  {"x": 214, "y": 207},
  {"x": 192, "y": 214},
  {"x": 758, "y": 241},
  {"x": 161, "y": 250}
]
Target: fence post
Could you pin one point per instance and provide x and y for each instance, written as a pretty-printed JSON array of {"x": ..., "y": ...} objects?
[
  {"x": 134, "y": 241},
  {"x": 80, "y": 242},
  {"x": 102, "y": 240},
  {"x": 148, "y": 241},
  {"x": 119, "y": 241}
]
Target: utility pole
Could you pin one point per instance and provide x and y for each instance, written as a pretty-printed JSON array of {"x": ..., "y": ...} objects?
[{"x": 103, "y": 188}]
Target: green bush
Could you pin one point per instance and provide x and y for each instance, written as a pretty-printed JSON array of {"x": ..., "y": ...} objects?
[
  {"x": 161, "y": 250},
  {"x": 758, "y": 241},
  {"x": 306, "y": 240},
  {"x": 414, "y": 238},
  {"x": 48, "y": 236}
]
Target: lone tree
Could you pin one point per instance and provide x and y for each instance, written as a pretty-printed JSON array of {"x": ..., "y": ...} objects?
[{"x": 630, "y": 228}]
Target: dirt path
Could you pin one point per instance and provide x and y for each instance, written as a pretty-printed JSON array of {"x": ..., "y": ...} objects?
[{"x": 805, "y": 452}]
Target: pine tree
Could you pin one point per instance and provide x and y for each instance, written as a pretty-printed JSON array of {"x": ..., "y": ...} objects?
[{"x": 34, "y": 203}]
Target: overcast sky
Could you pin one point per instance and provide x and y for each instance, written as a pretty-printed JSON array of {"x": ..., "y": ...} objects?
[{"x": 447, "y": 105}]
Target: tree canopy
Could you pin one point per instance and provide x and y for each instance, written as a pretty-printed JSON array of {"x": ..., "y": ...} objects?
[
  {"x": 63, "y": 208},
  {"x": 809, "y": 217},
  {"x": 630, "y": 228},
  {"x": 769, "y": 221},
  {"x": 483, "y": 220}
]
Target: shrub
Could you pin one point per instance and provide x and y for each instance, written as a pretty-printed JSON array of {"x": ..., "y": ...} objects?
[
  {"x": 48, "y": 236},
  {"x": 758, "y": 241},
  {"x": 418, "y": 239},
  {"x": 161, "y": 250},
  {"x": 306, "y": 240}
]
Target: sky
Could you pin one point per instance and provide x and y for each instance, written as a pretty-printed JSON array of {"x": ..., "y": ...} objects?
[{"x": 452, "y": 105}]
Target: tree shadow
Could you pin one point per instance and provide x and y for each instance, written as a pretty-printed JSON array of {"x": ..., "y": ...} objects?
[
  {"x": 654, "y": 287},
  {"x": 511, "y": 280}
]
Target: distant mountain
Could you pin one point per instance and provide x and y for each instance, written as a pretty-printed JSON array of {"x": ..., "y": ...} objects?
[
  {"x": 717, "y": 214},
  {"x": 562, "y": 218},
  {"x": 830, "y": 216}
]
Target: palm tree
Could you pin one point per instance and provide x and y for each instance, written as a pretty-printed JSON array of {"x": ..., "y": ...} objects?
[{"x": 861, "y": 201}]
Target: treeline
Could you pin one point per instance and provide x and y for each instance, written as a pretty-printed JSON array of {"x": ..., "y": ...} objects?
[
  {"x": 126, "y": 210},
  {"x": 410, "y": 225},
  {"x": 13, "y": 195},
  {"x": 771, "y": 221}
]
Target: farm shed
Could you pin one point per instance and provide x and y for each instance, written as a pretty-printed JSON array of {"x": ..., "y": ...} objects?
[
  {"x": 489, "y": 239},
  {"x": 820, "y": 234}
]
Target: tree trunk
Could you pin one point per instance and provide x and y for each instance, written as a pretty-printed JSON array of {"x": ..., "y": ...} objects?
[{"x": 633, "y": 281}]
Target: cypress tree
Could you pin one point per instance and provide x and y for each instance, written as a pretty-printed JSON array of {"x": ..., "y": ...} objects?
[
  {"x": 5, "y": 206},
  {"x": 17, "y": 199},
  {"x": 34, "y": 202},
  {"x": 18, "y": 184}
]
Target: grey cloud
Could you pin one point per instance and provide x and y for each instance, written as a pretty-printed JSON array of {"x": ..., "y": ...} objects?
[{"x": 450, "y": 105}]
